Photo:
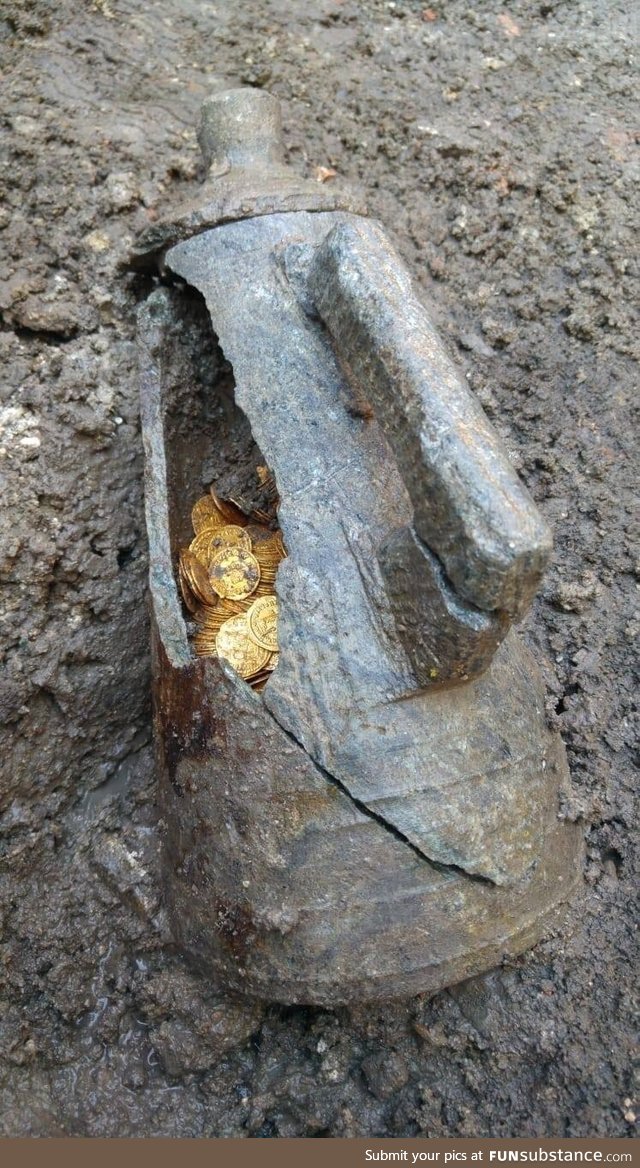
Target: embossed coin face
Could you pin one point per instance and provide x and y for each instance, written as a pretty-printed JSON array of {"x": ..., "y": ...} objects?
[
  {"x": 234, "y": 572},
  {"x": 229, "y": 536},
  {"x": 205, "y": 514},
  {"x": 235, "y": 645},
  {"x": 262, "y": 619}
]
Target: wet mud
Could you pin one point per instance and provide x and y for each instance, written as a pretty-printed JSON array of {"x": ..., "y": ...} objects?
[{"x": 496, "y": 143}]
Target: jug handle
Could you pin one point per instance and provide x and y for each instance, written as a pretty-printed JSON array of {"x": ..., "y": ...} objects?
[{"x": 470, "y": 508}]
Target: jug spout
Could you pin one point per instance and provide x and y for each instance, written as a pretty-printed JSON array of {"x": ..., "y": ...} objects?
[{"x": 242, "y": 128}]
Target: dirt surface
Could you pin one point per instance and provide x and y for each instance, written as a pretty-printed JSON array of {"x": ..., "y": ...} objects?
[{"x": 496, "y": 143}]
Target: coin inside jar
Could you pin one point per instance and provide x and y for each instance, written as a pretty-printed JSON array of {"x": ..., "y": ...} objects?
[
  {"x": 229, "y": 536},
  {"x": 229, "y": 510},
  {"x": 234, "y": 572},
  {"x": 204, "y": 514},
  {"x": 197, "y": 577},
  {"x": 230, "y": 564},
  {"x": 262, "y": 618},
  {"x": 193, "y": 604},
  {"x": 200, "y": 547},
  {"x": 235, "y": 645}
]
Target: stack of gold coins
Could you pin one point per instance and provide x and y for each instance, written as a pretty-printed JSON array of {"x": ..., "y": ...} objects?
[{"x": 227, "y": 579}]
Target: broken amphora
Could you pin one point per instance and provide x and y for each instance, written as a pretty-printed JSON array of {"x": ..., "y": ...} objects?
[{"x": 385, "y": 818}]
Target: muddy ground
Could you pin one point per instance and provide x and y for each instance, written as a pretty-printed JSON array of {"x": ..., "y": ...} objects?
[{"x": 496, "y": 142}]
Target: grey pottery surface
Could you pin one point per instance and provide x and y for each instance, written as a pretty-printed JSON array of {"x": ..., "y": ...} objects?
[{"x": 357, "y": 832}]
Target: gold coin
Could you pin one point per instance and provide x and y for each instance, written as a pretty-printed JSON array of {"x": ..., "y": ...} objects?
[
  {"x": 200, "y": 616},
  {"x": 261, "y": 517},
  {"x": 226, "y": 608},
  {"x": 185, "y": 587},
  {"x": 197, "y": 578},
  {"x": 234, "y": 572},
  {"x": 231, "y": 512},
  {"x": 268, "y": 568},
  {"x": 211, "y": 539},
  {"x": 262, "y": 619},
  {"x": 265, "y": 544},
  {"x": 213, "y": 622},
  {"x": 267, "y": 482},
  {"x": 268, "y": 581},
  {"x": 207, "y": 636},
  {"x": 229, "y": 536},
  {"x": 200, "y": 547},
  {"x": 189, "y": 599},
  {"x": 204, "y": 648},
  {"x": 205, "y": 514},
  {"x": 234, "y": 644},
  {"x": 206, "y": 640},
  {"x": 263, "y": 589},
  {"x": 214, "y": 618}
]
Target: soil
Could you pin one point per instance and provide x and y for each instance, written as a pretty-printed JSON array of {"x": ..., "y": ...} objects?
[{"x": 496, "y": 143}]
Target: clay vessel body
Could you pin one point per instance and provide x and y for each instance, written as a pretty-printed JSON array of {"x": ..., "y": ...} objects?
[{"x": 385, "y": 818}]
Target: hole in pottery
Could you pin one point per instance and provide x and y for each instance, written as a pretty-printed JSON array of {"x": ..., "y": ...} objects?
[{"x": 225, "y": 541}]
